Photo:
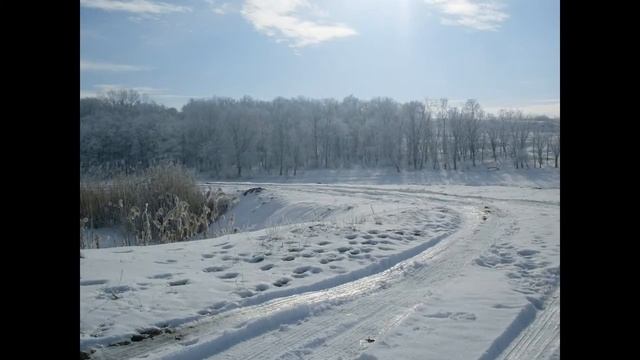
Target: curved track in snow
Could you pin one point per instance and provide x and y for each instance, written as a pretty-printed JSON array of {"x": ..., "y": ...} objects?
[{"x": 487, "y": 291}]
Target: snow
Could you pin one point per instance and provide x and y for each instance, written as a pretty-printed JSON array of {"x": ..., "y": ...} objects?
[
  {"x": 478, "y": 176},
  {"x": 355, "y": 270}
]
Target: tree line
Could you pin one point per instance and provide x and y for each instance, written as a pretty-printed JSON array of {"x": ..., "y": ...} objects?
[{"x": 234, "y": 137}]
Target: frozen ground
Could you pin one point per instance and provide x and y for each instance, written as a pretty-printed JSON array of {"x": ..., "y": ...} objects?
[{"x": 341, "y": 271}]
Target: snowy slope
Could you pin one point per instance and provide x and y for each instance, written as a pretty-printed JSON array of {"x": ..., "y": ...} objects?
[
  {"x": 125, "y": 289},
  {"x": 437, "y": 272}
]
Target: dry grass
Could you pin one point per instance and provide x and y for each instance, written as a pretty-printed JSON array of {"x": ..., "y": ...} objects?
[{"x": 162, "y": 203}]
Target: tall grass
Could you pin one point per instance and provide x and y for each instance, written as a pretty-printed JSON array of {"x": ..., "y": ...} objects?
[{"x": 162, "y": 203}]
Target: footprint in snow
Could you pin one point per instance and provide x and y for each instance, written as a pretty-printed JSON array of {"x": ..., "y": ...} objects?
[
  {"x": 255, "y": 259},
  {"x": 281, "y": 282},
  {"x": 303, "y": 269},
  {"x": 527, "y": 252},
  {"x": 92, "y": 282},
  {"x": 215, "y": 269},
  {"x": 244, "y": 293},
  {"x": 161, "y": 276},
  {"x": 117, "y": 289},
  {"x": 170, "y": 261},
  {"x": 229, "y": 275},
  {"x": 452, "y": 316},
  {"x": 179, "y": 282}
]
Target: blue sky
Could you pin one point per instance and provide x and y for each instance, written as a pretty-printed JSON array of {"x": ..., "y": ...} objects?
[{"x": 504, "y": 53}]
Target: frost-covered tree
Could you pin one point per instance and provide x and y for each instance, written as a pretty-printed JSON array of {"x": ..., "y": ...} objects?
[{"x": 224, "y": 137}]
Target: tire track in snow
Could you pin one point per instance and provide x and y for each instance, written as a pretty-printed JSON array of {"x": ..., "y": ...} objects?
[
  {"x": 541, "y": 339},
  {"x": 394, "y": 306},
  {"x": 354, "y": 288},
  {"x": 356, "y": 190},
  {"x": 378, "y": 313},
  {"x": 372, "y": 302}
]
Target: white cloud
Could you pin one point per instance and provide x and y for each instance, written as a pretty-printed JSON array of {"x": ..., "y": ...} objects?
[
  {"x": 282, "y": 19},
  {"x": 476, "y": 14},
  {"x": 86, "y": 65},
  {"x": 134, "y": 6}
]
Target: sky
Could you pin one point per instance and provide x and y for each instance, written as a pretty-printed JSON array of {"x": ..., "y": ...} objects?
[{"x": 503, "y": 53}]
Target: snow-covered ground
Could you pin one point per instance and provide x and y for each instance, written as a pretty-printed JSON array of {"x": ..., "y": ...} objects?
[
  {"x": 470, "y": 176},
  {"x": 355, "y": 270}
]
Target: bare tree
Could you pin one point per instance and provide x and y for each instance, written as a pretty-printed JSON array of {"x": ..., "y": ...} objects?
[
  {"x": 242, "y": 131},
  {"x": 457, "y": 132},
  {"x": 503, "y": 132},
  {"x": 538, "y": 142},
  {"x": 443, "y": 115},
  {"x": 223, "y": 136},
  {"x": 472, "y": 115},
  {"x": 555, "y": 146},
  {"x": 493, "y": 136},
  {"x": 413, "y": 115}
]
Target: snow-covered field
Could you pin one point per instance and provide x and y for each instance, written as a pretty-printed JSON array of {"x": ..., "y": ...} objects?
[{"x": 355, "y": 269}]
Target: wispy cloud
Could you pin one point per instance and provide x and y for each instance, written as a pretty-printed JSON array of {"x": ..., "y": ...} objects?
[
  {"x": 147, "y": 90},
  {"x": 134, "y": 6},
  {"x": 549, "y": 107},
  {"x": 87, "y": 93},
  {"x": 159, "y": 95},
  {"x": 283, "y": 20},
  {"x": 485, "y": 15},
  {"x": 220, "y": 8},
  {"x": 86, "y": 65}
]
